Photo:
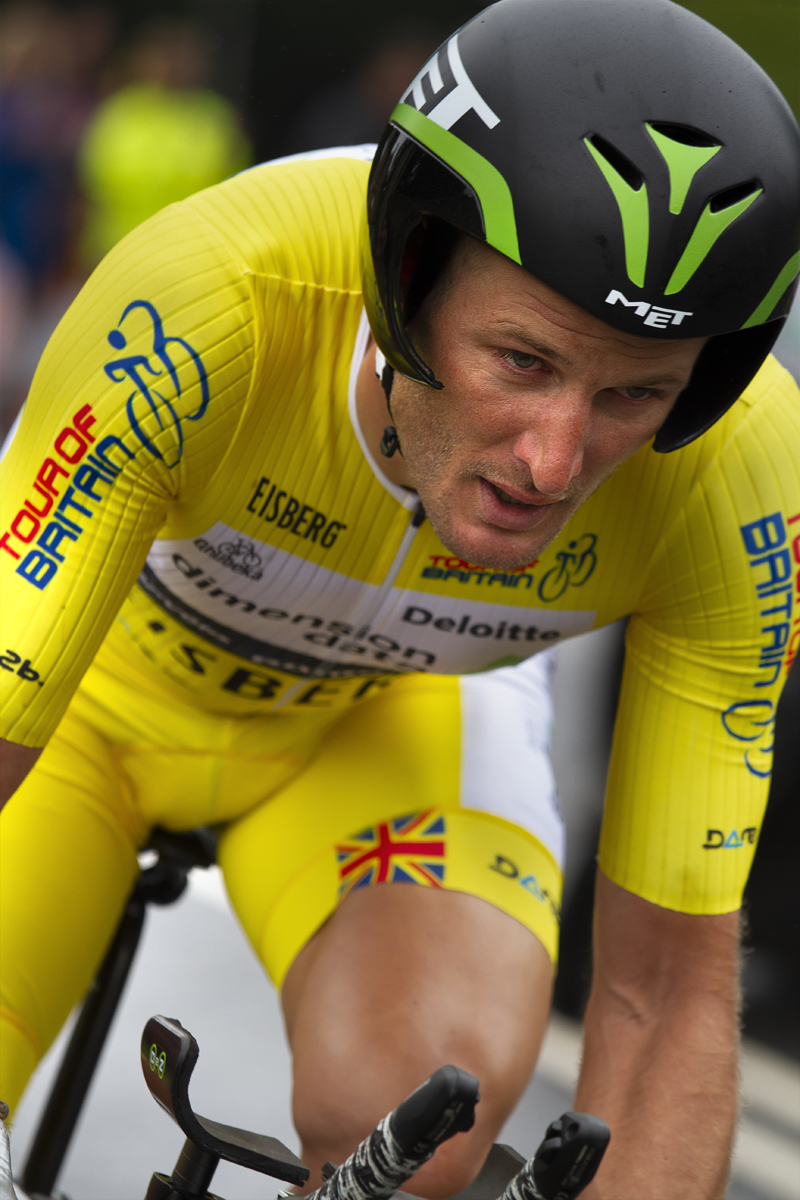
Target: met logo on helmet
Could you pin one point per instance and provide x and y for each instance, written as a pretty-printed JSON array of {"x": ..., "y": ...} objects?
[
  {"x": 445, "y": 73},
  {"x": 660, "y": 318}
]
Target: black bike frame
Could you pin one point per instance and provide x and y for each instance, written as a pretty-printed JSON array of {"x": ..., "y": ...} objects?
[{"x": 161, "y": 884}]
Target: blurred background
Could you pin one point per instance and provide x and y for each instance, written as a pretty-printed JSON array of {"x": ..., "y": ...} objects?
[{"x": 110, "y": 110}]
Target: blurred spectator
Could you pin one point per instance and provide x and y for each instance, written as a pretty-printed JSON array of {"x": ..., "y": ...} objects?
[
  {"x": 50, "y": 61},
  {"x": 356, "y": 110},
  {"x": 15, "y": 307},
  {"x": 160, "y": 137}
]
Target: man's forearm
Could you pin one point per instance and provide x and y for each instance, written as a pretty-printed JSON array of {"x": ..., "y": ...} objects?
[
  {"x": 668, "y": 1092},
  {"x": 661, "y": 1048}
]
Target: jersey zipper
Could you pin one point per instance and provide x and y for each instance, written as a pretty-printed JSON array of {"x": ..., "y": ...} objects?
[{"x": 368, "y": 609}]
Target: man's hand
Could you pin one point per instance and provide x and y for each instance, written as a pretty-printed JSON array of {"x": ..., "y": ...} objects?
[
  {"x": 661, "y": 1048},
  {"x": 15, "y": 763}
]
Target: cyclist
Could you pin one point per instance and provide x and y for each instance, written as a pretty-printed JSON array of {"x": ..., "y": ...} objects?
[{"x": 225, "y": 605}]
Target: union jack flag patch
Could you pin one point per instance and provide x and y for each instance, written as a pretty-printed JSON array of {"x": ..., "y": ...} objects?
[{"x": 408, "y": 849}]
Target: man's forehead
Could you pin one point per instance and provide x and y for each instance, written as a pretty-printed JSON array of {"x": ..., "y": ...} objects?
[
  {"x": 524, "y": 305},
  {"x": 558, "y": 338}
]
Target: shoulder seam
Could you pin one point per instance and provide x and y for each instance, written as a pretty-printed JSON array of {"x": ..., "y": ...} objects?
[
  {"x": 751, "y": 410},
  {"x": 248, "y": 270}
]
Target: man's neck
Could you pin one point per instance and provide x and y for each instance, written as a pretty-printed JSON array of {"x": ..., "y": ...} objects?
[{"x": 373, "y": 417}]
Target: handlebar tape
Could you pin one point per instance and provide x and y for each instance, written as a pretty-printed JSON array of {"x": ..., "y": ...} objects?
[{"x": 404, "y": 1141}]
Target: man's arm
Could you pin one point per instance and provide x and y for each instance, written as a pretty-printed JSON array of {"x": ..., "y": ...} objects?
[
  {"x": 175, "y": 303},
  {"x": 661, "y": 1048},
  {"x": 15, "y": 763}
]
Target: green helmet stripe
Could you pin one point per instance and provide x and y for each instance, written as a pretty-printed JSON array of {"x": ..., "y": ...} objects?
[
  {"x": 632, "y": 204},
  {"x": 492, "y": 190},
  {"x": 683, "y": 161},
  {"x": 774, "y": 294},
  {"x": 705, "y": 233}
]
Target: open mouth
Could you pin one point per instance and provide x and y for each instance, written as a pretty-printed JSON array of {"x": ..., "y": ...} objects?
[
  {"x": 506, "y": 511},
  {"x": 504, "y": 496}
]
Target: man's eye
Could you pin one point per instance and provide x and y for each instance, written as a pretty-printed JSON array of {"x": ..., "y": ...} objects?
[
  {"x": 518, "y": 359},
  {"x": 635, "y": 393}
]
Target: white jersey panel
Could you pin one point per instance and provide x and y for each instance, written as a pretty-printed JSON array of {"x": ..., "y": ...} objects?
[
  {"x": 506, "y": 723},
  {"x": 280, "y": 610}
]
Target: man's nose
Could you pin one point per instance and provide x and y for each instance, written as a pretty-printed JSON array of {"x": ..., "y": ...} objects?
[{"x": 552, "y": 446}]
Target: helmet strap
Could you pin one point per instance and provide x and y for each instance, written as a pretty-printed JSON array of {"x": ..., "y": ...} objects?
[{"x": 390, "y": 442}]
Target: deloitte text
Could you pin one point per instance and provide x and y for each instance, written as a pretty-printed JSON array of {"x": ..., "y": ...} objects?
[{"x": 480, "y": 629}]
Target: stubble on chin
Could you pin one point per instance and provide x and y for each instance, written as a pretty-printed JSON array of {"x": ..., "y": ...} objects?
[
  {"x": 450, "y": 500},
  {"x": 486, "y": 545},
  {"x": 448, "y": 489},
  {"x": 504, "y": 554}
]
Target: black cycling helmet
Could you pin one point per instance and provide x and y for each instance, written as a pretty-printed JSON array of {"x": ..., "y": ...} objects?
[{"x": 626, "y": 153}]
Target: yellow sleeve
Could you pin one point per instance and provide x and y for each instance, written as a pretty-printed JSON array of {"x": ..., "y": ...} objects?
[
  {"x": 129, "y": 415},
  {"x": 707, "y": 653}
]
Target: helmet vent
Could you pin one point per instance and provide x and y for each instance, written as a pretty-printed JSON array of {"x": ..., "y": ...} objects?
[
  {"x": 615, "y": 158},
  {"x": 734, "y": 195},
  {"x": 685, "y": 134}
]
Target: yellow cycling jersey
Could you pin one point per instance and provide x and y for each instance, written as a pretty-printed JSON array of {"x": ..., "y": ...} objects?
[{"x": 190, "y": 494}]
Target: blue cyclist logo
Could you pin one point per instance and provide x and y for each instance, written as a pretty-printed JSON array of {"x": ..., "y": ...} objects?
[
  {"x": 752, "y": 722},
  {"x": 142, "y": 370},
  {"x": 573, "y": 567}
]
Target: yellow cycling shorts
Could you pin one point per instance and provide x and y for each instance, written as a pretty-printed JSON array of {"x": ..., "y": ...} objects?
[{"x": 417, "y": 785}]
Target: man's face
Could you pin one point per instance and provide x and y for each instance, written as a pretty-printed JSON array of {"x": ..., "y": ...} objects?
[{"x": 541, "y": 403}]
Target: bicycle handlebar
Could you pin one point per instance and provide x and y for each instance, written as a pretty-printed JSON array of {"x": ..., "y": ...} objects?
[
  {"x": 565, "y": 1163},
  {"x": 442, "y": 1106},
  {"x": 405, "y": 1140},
  {"x": 397, "y": 1148}
]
